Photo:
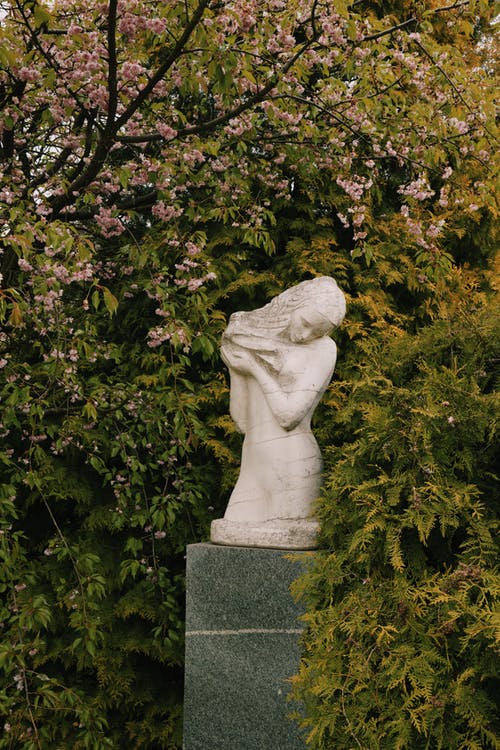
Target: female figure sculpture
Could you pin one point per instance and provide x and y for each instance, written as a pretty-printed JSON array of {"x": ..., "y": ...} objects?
[{"x": 281, "y": 360}]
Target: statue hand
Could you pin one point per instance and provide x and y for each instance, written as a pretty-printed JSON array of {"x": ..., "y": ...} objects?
[{"x": 238, "y": 359}]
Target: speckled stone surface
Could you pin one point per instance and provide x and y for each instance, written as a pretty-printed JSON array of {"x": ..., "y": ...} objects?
[
  {"x": 242, "y": 645},
  {"x": 279, "y": 534}
]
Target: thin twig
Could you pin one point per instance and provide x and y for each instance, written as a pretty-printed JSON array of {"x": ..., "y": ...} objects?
[
  {"x": 409, "y": 21},
  {"x": 452, "y": 84},
  {"x": 49, "y": 59}
]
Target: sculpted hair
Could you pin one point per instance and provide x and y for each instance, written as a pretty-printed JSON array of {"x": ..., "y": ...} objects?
[{"x": 322, "y": 294}]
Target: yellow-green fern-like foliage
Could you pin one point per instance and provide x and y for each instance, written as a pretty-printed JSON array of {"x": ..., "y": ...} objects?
[{"x": 402, "y": 645}]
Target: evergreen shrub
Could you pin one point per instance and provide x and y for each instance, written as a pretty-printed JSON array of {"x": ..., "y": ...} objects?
[{"x": 403, "y": 631}]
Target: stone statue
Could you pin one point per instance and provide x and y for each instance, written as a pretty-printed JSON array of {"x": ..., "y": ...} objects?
[{"x": 281, "y": 360}]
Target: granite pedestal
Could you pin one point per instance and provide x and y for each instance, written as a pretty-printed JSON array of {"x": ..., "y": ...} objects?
[{"x": 242, "y": 646}]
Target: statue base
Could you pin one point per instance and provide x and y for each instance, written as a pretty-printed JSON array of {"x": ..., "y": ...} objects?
[
  {"x": 242, "y": 648},
  {"x": 299, "y": 534}
]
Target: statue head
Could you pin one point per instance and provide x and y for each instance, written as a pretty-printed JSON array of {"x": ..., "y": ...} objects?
[
  {"x": 302, "y": 313},
  {"x": 316, "y": 308}
]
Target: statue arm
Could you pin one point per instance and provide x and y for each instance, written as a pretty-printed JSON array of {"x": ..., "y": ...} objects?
[
  {"x": 238, "y": 400},
  {"x": 310, "y": 380},
  {"x": 290, "y": 408},
  {"x": 238, "y": 394}
]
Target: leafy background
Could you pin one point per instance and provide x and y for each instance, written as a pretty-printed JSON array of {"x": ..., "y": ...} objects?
[{"x": 250, "y": 146}]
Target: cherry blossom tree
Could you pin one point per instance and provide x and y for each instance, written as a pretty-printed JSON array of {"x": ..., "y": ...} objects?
[{"x": 158, "y": 162}]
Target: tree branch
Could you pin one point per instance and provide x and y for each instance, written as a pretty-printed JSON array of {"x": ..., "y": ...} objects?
[
  {"x": 127, "y": 204},
  {"x": 342, "y": 121},
  {"x": 7, "y": 147},
  {"x": 156, "y": 78},
  {"x": 61, "y": 159},
  {"x": 48, "y": 58},
  {"x": 112, "y": 126},
  {"x": 112, "y": 66},
  {"x": 209, "y": 125},
  {"x": 452, "y": 84},
  {"x": 380, "y": 34},
  {"x": 409, "y": 21}
]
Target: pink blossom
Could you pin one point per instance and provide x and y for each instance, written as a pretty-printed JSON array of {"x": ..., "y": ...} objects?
[
  {"x": 235, "y": 127},
  {"x": 158, "y": 336},
  {"x": 415, "y": 229},
  {"x": 166, "y": 131},
  {"x": 286, "y": 40},
  {"x": 110, "y": 226},
  {"x": 28, "y": 74},
  {"x": 193, "y": 157},
  {"x": 192, "y": 249},
  {"x": 131, "y": 70},
  {"x": 164, "y": 212},
  {"x": 435, "y": 229},
  {"x": 444, "y": 196},
  {"x": 129, "y": 24},
  {"x": 156, "y": 25},
  {"x": 194, "y": 284},
  {"x": 24, "y": 265},
  {"x": 61, "y": 273},
  {"x": 459, "y": 125},
  {"x": 99, "y": 97},
  {"x": 355, "y": 187},
  {"x": 84, "y": 274},
  {"x": 7, "y": 195},
  {"x": 332, "y": 31},
  {"x": 418, "y": 189}
]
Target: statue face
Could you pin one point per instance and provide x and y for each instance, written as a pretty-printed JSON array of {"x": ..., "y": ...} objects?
[{"x": 307, "y": 324}]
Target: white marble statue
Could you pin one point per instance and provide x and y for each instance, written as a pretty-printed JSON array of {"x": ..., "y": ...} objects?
[{"x": 281, "y": 359}]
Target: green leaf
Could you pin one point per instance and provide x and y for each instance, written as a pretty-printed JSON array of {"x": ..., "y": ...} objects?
[
  {"x": 110, "y": 300},
  {"x": 42, "y": 15},
  {"x": 89, "y": 410},
  {"x": 7, "y": 57},
  {"x": 16, "y": 315}
]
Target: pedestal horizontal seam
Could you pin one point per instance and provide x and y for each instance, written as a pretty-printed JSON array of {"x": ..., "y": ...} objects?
[{"x": 248, "y": 631}]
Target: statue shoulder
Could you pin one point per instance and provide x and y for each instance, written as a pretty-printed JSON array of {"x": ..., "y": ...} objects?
[
  {"x": 328, "y": 344},
  {"x": 317, "y": 356},
  {"x": 324, "y": 346}
]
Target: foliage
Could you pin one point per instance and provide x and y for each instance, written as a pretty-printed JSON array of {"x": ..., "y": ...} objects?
[
  {"x": 98, "y": 501},
  {"x": 403, "y": 642},
  {"x": 160, "y": 166}
]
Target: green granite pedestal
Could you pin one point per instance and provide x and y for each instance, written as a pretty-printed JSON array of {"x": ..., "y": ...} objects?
[{"x": 242, "y": 646}]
